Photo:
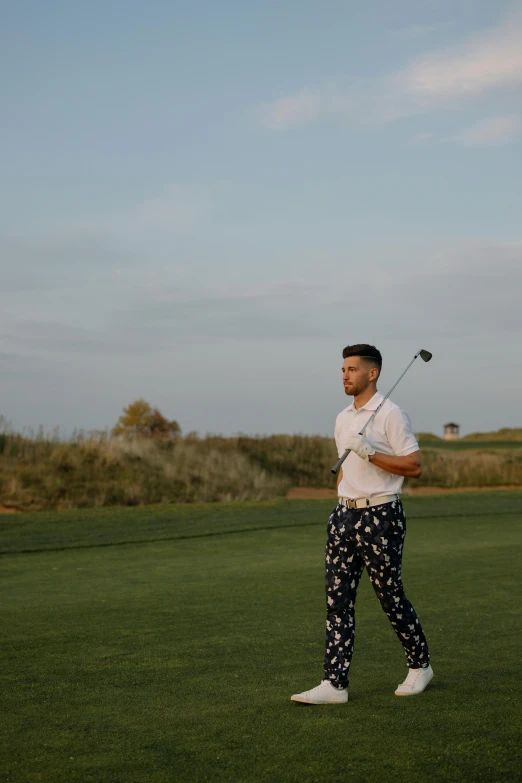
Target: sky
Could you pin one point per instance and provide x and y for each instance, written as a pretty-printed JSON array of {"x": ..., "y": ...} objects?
[{"x": 202, "y": 203}]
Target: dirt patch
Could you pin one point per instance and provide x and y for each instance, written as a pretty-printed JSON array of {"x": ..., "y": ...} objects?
[
  {"x": 309, "y": 493},
  {"x": 7, "y": 510}
]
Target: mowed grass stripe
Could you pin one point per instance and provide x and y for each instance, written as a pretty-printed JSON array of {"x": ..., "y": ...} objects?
[
  {"x": 233, "y": 531},
  {"x": 176, "y": 660},
  {"x": 119, "y": 526}
]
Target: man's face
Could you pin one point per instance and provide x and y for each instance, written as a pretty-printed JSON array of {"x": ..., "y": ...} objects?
[{"x": 357, "y": 375}]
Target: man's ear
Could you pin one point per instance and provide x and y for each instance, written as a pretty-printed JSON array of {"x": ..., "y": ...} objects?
[{"x": 374, "y": 374}]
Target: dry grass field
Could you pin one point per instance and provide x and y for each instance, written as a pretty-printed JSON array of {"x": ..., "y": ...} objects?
[{"x": 44, "y": 472}]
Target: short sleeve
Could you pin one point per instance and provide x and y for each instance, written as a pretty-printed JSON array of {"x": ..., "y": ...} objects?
[{"x": 400, "y": 434}]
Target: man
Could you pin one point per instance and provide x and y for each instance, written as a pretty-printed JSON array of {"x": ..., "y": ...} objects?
[{"x": 367, "y": 529}]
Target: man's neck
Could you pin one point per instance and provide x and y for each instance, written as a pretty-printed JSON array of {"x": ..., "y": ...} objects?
[{"x": 365, "y": 396}]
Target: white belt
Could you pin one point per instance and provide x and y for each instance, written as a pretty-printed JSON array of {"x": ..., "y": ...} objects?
[{"x": 376, "y": 500}]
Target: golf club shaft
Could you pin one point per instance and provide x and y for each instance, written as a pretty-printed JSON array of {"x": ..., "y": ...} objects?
[{"x": 341, "y": 459}]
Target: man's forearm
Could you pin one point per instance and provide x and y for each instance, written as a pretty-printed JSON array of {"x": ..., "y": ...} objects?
[{"x": 409, "y": 466}]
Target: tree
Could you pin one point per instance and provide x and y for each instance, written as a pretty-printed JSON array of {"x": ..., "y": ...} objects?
[
  {"x": 140, "y": 419},
  {"x": 160, "y": 427}
]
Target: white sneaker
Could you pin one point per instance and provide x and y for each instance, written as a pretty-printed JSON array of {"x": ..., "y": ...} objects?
[
  {"x": 415, "y": 682},
  {"x": 325, "y": 693}
]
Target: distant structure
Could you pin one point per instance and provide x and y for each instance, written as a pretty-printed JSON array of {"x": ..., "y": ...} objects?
[{"x": 451, "y": 431}]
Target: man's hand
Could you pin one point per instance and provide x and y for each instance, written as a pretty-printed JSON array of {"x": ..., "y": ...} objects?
[{"x": 360, "y": 445}]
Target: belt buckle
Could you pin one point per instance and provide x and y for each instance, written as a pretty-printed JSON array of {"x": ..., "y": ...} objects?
[{"x": 352, "y": 503}]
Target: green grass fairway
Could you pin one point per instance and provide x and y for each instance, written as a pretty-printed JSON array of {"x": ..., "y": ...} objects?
[{"x": 162, "y": 644}]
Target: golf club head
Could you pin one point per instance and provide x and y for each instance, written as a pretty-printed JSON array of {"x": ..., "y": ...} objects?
[{"x": 425, "y": 355}]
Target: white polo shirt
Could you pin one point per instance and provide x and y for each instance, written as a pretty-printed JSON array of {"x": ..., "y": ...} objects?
[{"x": 390, "y": 433}]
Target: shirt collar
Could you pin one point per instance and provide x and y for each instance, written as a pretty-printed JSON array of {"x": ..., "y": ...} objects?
[{"x": 371, "y": 405}]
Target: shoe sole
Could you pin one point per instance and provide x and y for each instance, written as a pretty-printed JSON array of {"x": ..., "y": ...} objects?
[
  {"x": 304, "y": 701},
  {"x": 416, "y": 693}
]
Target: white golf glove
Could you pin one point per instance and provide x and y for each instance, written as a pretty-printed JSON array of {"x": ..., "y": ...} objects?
[{"x": 360, "y": 445}]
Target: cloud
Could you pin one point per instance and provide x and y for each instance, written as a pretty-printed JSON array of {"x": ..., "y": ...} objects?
[
  {"x": 17, "y": 366},
  {"x": 303, "y": 108},
  {"x": 50, "y": 255},
  {"x": 372, "y": 103},
  {"x": 491, "y": 132},
  {"x": 178, "y": 207},
  {"x": 487, "y": 62},
  {"x": 11, "y": 359},
  {"x": 228, "y": 312},
  {"x": 48, "y": 261},
  {"x": 293, "y": 111},
  {"x": 422, "y": 138},
  {"x": 471, "y": 288},
  {"x": 213, "y": 347},
  {"x": 492, "y": 60},
  {"x": 39, "y": 339}
]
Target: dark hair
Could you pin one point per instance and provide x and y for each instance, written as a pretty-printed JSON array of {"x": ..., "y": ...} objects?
[{"x": 365, "y": 351}]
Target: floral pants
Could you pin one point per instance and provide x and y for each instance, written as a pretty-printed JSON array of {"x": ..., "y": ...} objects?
[{"x": 372, "y": 538}]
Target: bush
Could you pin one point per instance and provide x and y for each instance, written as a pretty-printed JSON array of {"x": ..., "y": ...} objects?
[{"x": 37, "y": 475}]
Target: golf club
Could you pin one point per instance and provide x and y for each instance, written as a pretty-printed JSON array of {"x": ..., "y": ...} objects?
[{"x": 425, "y": 356}]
